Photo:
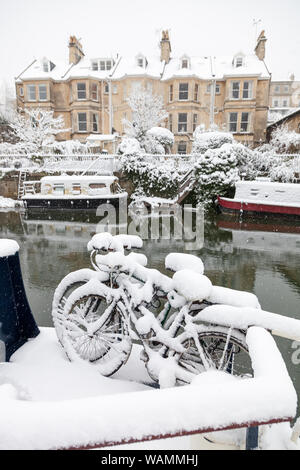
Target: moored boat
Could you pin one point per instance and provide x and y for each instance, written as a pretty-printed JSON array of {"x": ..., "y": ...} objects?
[
  {"x": 263, "y": 197},
  {"x": 73, "y": 192}
]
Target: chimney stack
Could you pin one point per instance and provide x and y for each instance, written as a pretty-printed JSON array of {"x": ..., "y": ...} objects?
[
  {"x": 75, "y": 50},
  {"x": 165, "y": 47},
  {"x": 260, "y": 49}
]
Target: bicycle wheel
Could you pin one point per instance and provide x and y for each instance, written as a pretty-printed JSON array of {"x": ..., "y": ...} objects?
[
  {"x": 94, "y": 331},
  {"x": 222, "y": 349},
  {"x": 66, "y": 287}
]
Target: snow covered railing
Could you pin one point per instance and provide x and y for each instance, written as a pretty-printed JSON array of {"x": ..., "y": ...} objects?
[
  {"x": 214, "y": 401},
  {"x": 79, "y": 163}
]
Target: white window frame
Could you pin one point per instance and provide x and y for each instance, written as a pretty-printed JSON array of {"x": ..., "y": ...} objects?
[
  {"x": 248, "y": 122},
  {"x": 239, "y": 61},
  {"x": 81, "y": 91},
  {"x": 195, "y": 121},
  {"x": 95, "y": 121},
  {"x": 249, "y": 90},
  {"x": 183, "y": 91},
  {"x": 217, "y": 88},
  {"x": 274, "y": 101},
  {"x": 185, "y": 63},
  {"x": 45, "y": 89},
  {"x": 233, "y": 122},
  {"x": 95, "y": 85},
  {"x": 182, "y": 123},
  {"x": 31, "y": 87},
  {"x": 80, "y": 122},
  {"x": 232, "y": 90},
  {"x": 171, "y": 93}
]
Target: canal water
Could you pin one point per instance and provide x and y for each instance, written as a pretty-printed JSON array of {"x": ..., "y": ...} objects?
[{"x": 260, "y": 255}]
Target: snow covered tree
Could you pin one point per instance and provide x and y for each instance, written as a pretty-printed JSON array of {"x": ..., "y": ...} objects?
[
  {"x": 160, "y": 140},
  {"x": 147, "y": 112},
  {"x": 216, "y": 173},
  {"x": 36, "y": 129},
  {"x": 211, "y": 139},
  {"x": 285, "y": 141}
]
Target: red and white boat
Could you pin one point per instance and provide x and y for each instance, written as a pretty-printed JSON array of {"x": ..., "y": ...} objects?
[{"x": 263, "y": 197}]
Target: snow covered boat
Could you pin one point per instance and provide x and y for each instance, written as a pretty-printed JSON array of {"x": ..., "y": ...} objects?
[
  {"x": 263, "y": 197},
  {"x": 73, "y": 192}
]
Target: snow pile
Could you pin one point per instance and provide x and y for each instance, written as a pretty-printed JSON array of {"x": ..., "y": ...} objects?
[
  {"x": 193, "y": 286},
  {"x": 129, "y": 146},
  {"x": 178, "y": 261},
  {"x": 115, "y": 416},
  {"x": 7, "y": 203},
  {"x": 8, "y": 247}
]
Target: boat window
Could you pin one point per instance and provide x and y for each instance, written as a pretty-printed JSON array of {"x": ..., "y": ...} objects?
[
  {"x": 76, "y": 188},
  {"x": 59, "y": 188},
  {"x": 97, "y": 186},
  {"x": 279, "y": 191}
]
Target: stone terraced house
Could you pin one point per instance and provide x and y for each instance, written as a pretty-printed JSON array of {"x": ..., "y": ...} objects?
[{"x": 91, "y": 93}]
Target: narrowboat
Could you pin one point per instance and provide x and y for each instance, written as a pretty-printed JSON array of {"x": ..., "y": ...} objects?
[
  {"x": 73, "y": 192},
  {"x": 263, "y": 197}
]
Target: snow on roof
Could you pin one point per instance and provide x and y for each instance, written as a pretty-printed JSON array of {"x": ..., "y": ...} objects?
[
  {"x": 76, "y": 178},
  {"x": 283, "y": 118},
  {"x": 201, "y": 67}
]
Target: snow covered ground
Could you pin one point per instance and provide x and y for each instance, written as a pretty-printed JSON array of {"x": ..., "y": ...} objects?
[
  {"x": 47, "y": 402},
  {"x": 7, "y": 203}
]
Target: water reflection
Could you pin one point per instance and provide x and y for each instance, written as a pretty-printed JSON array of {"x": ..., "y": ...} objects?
[{"x": 257, "y": 255}]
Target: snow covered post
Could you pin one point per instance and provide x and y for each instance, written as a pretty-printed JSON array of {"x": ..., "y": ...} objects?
[{"x": 16, "y": 320}]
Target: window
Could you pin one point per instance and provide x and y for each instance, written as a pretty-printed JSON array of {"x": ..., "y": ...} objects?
[
  {"x": 42, "y": 92},
  {"x": 195, "y": 121},
  {"x": 185, "y": 63},
  {"x": 102, "y": 64},
  {"x": 233, "y": 122},
  {"x": 95, "y": 122},
  {"x": 217, "y": 88},
  {"x": 76, "y": 188},
  {"x": 182, "y": 122},
  {"x": 82, "y": 122},
  {"x": 21, "y": 91},
  {"x": 235, "y": 90},
  {"x": 284, "y": 103},
  {"x": 171, "y": 122},
  {"x": 277, "y": 89},
  {"x": 94, "y": 91},
  {"x": 286, "y": 88},
  {"x": 171, "y": 93},
  {"x": 239, "y": 61},
  {"x": 31, "y": 92},
  {"x": 196, "y": 91},
  {"x": 247, "y": 90},
  {"x": 115, "y": 89},
  {"x": 181, "y": 149},
  {"x": 106, "y": 88},
  {"x": 59, "y": 188},
  {"x": 81, "y": 91},
  {"x": 275, "y": 103},
  {"x": 95, "y": 65},
  {"x": 245, "y": 122},
  {"x": 183, "y": 91}
]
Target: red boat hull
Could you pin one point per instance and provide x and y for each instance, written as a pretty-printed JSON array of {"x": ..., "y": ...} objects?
[{"x": 230, "y": 205}]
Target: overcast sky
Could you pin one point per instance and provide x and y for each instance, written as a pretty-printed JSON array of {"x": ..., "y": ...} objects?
[{"x": 35, "y": 28}]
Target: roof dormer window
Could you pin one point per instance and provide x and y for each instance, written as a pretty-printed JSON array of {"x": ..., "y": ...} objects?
[
  {"x": 185, "y": 62},
  {"x": 47, "y": 65},
  {"x": 102, "y": 64},
  {"x": 239, "y": 60},
  {"x": 141, "y": 61}
]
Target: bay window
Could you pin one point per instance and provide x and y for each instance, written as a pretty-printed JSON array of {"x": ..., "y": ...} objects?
[
  {"x": 183, "y": 91},
  {"x": 182, "y": 122},
  {"x": 81, "y": 91},
  {"x": 82, "y": 122}
]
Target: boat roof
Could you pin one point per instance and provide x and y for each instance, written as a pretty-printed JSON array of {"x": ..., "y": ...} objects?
[
  {"x": 79, "y": 178},
  {"x": 268, "y": 184}
]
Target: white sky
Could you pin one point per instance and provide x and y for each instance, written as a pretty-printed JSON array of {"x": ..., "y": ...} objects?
[{"x": 37, "y": 28}]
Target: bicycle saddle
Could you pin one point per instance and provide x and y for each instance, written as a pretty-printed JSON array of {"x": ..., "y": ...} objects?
[
  {"x": 178, "y": 261},
  {"x": 191, "y": 285},
  {"x": 107, "y": 242}
]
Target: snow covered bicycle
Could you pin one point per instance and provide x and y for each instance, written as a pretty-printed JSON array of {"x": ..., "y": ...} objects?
[{"x": 99, "y": 312}]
